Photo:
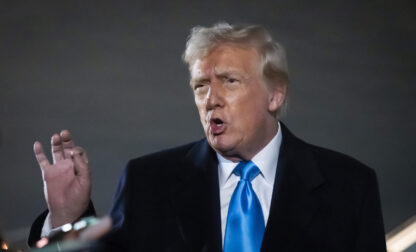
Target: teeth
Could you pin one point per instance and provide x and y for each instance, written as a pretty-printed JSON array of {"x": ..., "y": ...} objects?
[{"x": 217, "y": 122}]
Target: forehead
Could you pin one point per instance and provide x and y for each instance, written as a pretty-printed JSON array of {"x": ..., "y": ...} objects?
[{"x": 227, "y": 58}]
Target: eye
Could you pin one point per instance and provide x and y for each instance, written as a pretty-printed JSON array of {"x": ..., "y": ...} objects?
[
  {"x": 200, "y": 88},
  {"x": 231, "y": 80},
  {"x": 197, "y": 86}
]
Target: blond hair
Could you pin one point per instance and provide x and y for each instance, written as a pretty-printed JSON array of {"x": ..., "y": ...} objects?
[{"x": 274, "y": 69}]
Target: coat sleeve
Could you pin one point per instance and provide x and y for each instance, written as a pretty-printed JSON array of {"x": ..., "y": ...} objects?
[
  {"x": 37, "y": 225},
  {"x": 118, "y": 238}
]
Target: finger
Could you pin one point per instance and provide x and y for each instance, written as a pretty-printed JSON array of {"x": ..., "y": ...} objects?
[
  {"x": 40, "y": 155},
  {"x": 67, "y": 142},
  {"x": 81, "y": 152},
  {"x": 57, "y": 150},
  {"x": 81, "y": 161}
]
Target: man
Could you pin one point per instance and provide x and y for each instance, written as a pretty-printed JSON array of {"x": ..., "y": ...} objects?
[{"x": 249, "y": 186}]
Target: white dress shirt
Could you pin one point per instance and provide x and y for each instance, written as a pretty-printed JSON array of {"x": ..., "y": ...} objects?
[{"x": 266, "y": 161}]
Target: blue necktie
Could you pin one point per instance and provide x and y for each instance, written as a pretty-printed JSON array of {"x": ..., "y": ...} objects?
[{"x": 245, "y": 222}]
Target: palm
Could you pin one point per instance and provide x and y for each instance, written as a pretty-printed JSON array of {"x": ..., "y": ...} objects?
[{"x": 67, "y": 184}]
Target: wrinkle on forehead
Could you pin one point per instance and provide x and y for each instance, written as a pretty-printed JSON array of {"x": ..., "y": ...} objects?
[
  {"x": 196, "y": 70},
  {"x": 226, "y": 63}
]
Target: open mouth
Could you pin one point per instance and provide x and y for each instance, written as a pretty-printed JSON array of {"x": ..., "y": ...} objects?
[
  {"x": 217, "y": 126},
  {"x": 217, "y": 121}
]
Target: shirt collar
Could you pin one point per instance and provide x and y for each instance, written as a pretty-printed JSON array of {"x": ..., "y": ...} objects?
[{"x": 266, "y": 160}]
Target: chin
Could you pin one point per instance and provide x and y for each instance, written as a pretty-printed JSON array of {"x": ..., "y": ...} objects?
[{"x": 221, "y": 144}]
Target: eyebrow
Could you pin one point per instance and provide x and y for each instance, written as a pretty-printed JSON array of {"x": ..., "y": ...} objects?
[
  {"x": 218, "y": 73},
  {"x": 194, "y": 81},
  {"x": 226, "y": 71},
  {"x": 233, "y": 73}
]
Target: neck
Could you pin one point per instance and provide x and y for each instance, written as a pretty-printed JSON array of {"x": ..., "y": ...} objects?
[{"x": 252, "y": 150}]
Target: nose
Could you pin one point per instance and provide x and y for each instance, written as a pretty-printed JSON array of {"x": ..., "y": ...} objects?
[{"x": 214, "y": 98}]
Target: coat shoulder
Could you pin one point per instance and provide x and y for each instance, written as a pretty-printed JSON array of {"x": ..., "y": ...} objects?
[
  {"x": 161, "y": 162},
  {"x": 339, "y": 163},
  {"x": 332, "y": 164},
  {"x": 341, "y": 170}
]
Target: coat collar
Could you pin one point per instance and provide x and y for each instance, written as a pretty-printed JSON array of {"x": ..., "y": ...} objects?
[
  {"x": 295, "y": 201},
  {"x": 298, "y": 154},
  {"x": 195, "y": 197}
]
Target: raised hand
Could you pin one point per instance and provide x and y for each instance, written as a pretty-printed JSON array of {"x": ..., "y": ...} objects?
[{"x": 67, "y": 184}]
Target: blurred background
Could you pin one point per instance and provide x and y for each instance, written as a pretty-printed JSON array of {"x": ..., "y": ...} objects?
[{"x": 111, "y": 72}]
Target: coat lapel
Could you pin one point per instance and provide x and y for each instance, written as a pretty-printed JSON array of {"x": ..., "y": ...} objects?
[
  {"x": 296, "y": 198},
  {"x": 195, "y": 198},
  {"x": 295, "y": 201}
]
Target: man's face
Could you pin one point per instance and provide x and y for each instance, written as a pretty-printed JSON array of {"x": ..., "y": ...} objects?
[{"x": 235, "y": 106}]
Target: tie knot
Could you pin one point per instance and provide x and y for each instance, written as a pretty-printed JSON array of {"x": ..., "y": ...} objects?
[{"x": 247, "y": 170}]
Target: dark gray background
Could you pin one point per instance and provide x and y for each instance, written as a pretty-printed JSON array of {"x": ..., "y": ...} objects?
[{"x": 111, "y": 72}]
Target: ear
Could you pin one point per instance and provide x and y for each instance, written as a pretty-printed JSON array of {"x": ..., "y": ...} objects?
[{"x": 277, "y": 95}]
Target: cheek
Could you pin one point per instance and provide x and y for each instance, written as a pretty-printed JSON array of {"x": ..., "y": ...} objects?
[
  {"x": 242, "y": 118},
  {"x": 249, "y": 116},
  {"x": 202, "y": 114},
  {"x": 198, "y": 104}
]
